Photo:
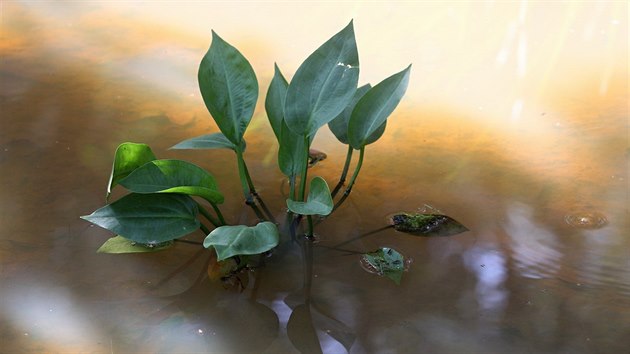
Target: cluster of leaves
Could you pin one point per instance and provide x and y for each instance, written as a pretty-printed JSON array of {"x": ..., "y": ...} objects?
[{"x": 161, "y": 205}]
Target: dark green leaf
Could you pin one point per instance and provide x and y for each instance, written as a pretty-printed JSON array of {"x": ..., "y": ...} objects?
[
  {"x": 229, "y": 88},
  {"x": 318, "y": 202},
  {"x": 209, "y": 141},
  {"x": 323, "y": 85},
  {"x": 374, "y": 107},
  {"x": 291, "y": 154},
  {"x": 127, "y": 158},
  {"x": 274, "y": 102},
  {"x": 339, "y": 125},
  {"x": 173, "y": 176},
  {"x": 120, "y": 244},
  {"x": 231, "y": 241},
  {"x": 148, "y": 218},
  {"x": 426, "y": 224},
  {"x": 385, "y": 262}
]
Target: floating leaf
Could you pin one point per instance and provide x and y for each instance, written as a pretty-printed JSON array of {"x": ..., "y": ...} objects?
[
  {"x": 229, "y": 88},
  {"x": 385, "y": 262},
  {"x": 426, "y": 224},
  {"x": 148, "y": 218},
  {"x": 274, "y": 102},
  {"x": 315, "y": 156},
  {"x": 374, "y": 107},
  {"x": 127, "y": 158},
  {"x": 339, "y": 125},
  {"x": 231, "y": 241},
  {"x": 173, "y": 176},
  {"x": 120, "y": 244},
  {"x": 323, "y": 85},
  {"x": 209, "y": 141},
  {"x": 318, "y": 202}
]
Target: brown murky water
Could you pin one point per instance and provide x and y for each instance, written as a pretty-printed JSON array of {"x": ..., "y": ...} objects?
[{"x": 515, "y": 124}]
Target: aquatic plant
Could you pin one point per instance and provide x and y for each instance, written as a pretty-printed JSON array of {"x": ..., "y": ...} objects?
[{"x": 162, "y": 205}]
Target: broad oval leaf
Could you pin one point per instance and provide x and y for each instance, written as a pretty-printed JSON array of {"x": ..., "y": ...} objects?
[
  {"x": 229, "y": 88},
  {"x": 339, "y": 125},
  {"x": 323, "y": 85},
  {"x": 173, "y": 176},
  {"x": 148, "y": 218},
  {"x": 427, "y": 225},
  {"x": 318, "y": 202},
  {"x": 375, "y": 106},
  {"x": 291, "y": 154},
  {"x": 127, "y": 158},
  {"x": 209, "y": 141},
  {"x": 274, "y": 102},
  {"x": 231, "y": 241},
  {"x": 120, "y": 244}
]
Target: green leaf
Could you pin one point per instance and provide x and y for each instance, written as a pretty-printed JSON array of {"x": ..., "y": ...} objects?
[
  {"x": 426, "y": 224},
  {"x": 374, "y": 107},
  {"x": 318, "y": 202},
  {"x": 339, "y": 125},
  {"x": 231, "y": 241},
  {"x": 148, "y": 218},
  {"x": 291, "y": 154},
  {"x": 173, "y": 176},
  {"x": 385, "y": 262},
  {"x": 323, "y": 85},
  {"x": 127, "y": 158},
  {"x": 274, "y": 102},
  {"x": 208, "y": 141},
  {"x": 229, "y": 88},
  {"x": 120, "y": 244}
]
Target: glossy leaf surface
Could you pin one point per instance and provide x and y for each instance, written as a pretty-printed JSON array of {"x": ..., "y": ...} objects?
[
  {"x": 148, "y": 218},
  {"x": 229, "y": 88},
  {"x": 323, "y": 85},
  {"x": 274, "y": 102},
  {"x": 208, "y": 141},
  {"x": 231, "y": 241},
  {"x": 427, "y": 225},
  {"x": 173, "y": 176},
  {"x": 292, "y": 153},
  {"x": 127, "y": 158},
  {"x": 318, "y": 202},
  {"x": 339, "y": 125},
  {"x": 375, "y": 106},
  {"x": 119, "y": 244},
  {"x": 386, "y": 262}
]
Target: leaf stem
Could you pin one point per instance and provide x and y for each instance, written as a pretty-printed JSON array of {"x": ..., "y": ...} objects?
[
  {"x": 344, "y": 173},
  {"x": 304, "y": 171},
  {"x": 207, "y": 215},
  {"x": 292, "y": 187},
  {"x": 309, "y": 235},
  {"x": 352, "y": 180},
  {"x": 254, "y": 193},
  {"x": 204, "y": 229},
  {"x": 219, "y": 214},
  {"x": 243, "y": 175}
]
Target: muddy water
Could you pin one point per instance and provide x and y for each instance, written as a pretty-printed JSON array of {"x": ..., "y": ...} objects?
[{"x": 529, "y": 151}]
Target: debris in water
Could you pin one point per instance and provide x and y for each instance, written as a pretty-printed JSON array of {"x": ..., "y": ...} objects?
[
  {"x": 586, "y": 220},
  {"x": 385, "y": 262},
  {"x": 426, "y": 224}
]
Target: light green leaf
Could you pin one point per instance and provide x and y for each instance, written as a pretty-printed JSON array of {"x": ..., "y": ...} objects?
[
  {"x": 339, "y": 125},
  {"x": 231, "y": 241},
  {"x": 374, "y": 107},
  {"x": 148, "y": 218},
  {"x": 385, "y": 262},
  {"x": 318, "y": 202},
  {"x": 274, "y": 102},
  {"x": 323, "y": 85},
  {"x": 291, "y": 154},
  {"x": 120, "y": 244},
  {"x": 208, "y": 141},
  {"x": 173, "y": 176},
  {"x": 229, "y": 88},
  {"x": 127, "y": 158}
]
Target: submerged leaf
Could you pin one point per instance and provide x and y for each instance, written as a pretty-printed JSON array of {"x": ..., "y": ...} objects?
[
  {"x": 231, "y": 241},
  {"x": 229, "y": 88},
  {"x": 120, "y": 244},
  {"x": 148, "y": 218},
  {"x": 173, "y": 176},
  {"x": 208, "y": 141},
  {"x": 426, "y": 224},
  {"x": 127, "y": 158},
  {"x": 385, "y": 262},
  {"x": 323, "y": 85},
  {"x": 318, "y": 202}
]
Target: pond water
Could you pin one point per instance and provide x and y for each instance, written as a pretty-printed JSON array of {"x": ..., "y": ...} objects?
[{"x": 515, "y": 124}]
